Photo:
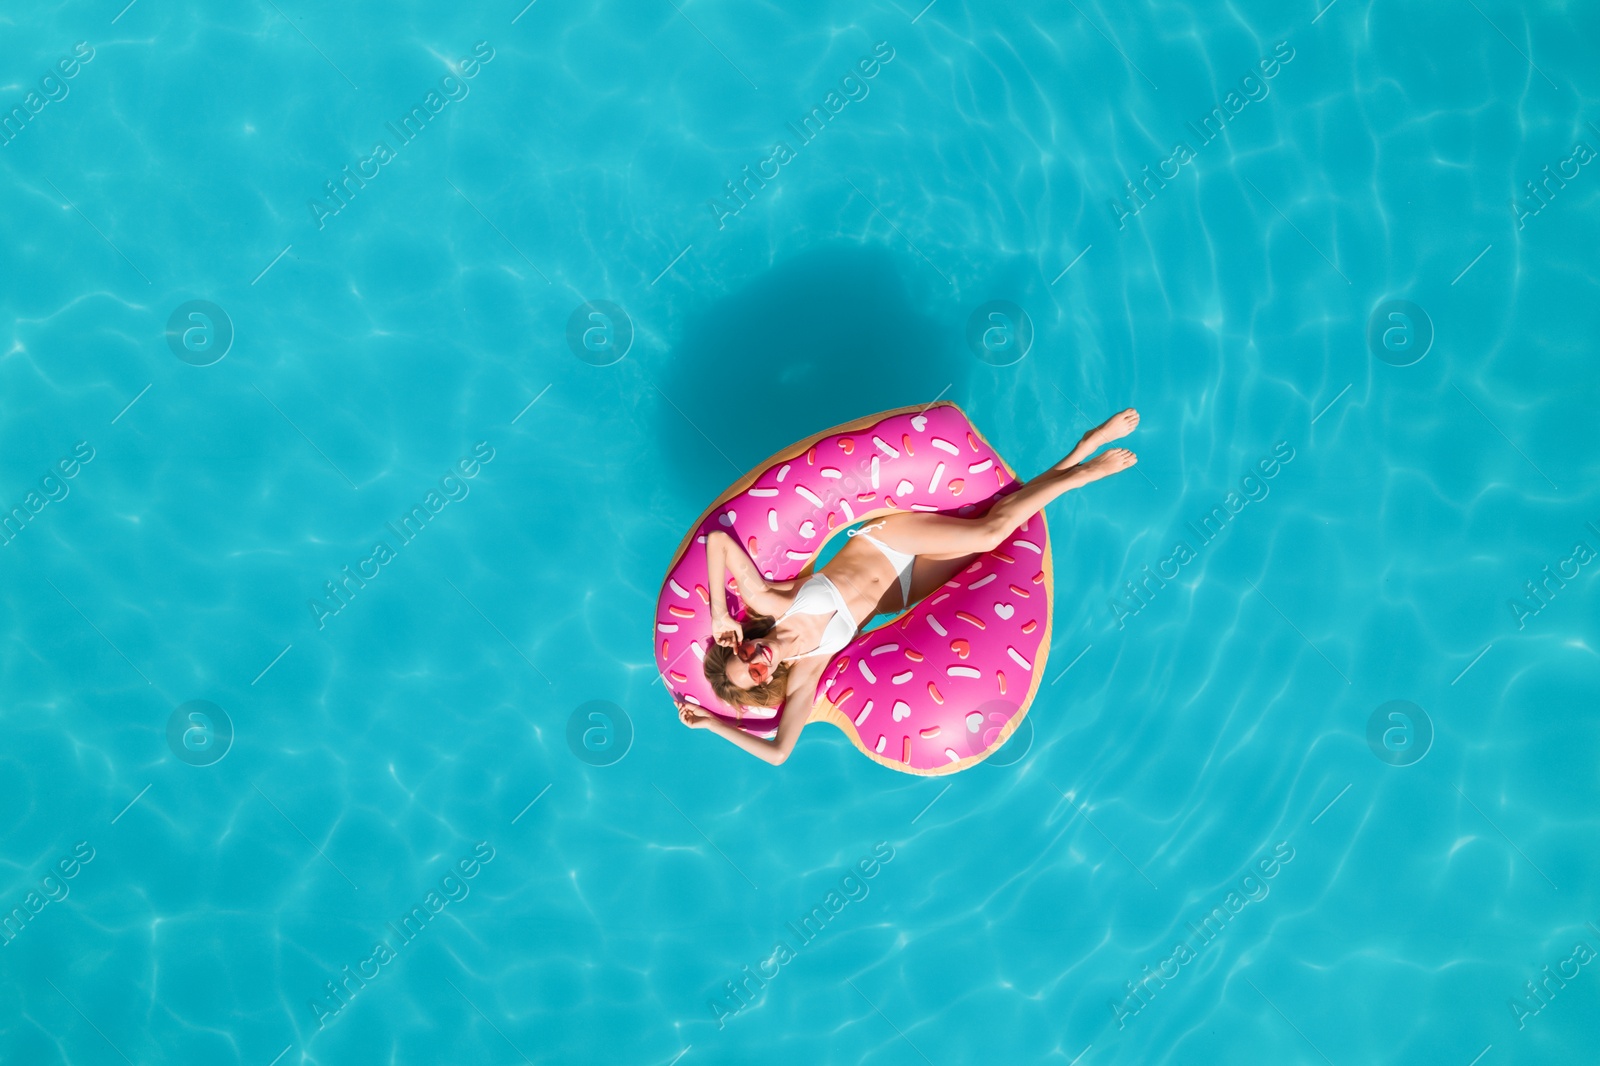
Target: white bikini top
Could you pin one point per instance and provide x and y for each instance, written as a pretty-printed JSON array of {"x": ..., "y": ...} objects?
[{"x": 821, "y": 596}]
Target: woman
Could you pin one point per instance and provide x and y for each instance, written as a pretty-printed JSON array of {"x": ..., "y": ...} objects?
[{"x": 792, "y": 628}]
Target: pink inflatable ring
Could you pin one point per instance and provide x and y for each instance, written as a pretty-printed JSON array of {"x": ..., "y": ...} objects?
[{"x": 940, "y": 687}]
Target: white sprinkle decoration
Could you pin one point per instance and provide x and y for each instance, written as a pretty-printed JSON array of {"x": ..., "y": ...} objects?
[
  {"x": 974, "y": 721},
  {"x": 902, "y": 710},
  {"x": 937, "y": 628},
  {"x": 783, "y": 471},
  {"x": 791, "y": 554},
  {"x": 919, "y": 423},
  {"x": 866, "y": 671},
  {"x": 886, "y": 649},
  {"x": 677, "y": 589},
  {"x": 772, "y": 520},
  {"x": 963, "y": 671},
  {"x": 829, "y": 471},
  {"x": 938, "y": 476},
  {"x": 697, "y": 540},
  {"x": 810, "y": 497},
  {"x": 892, "y": 453},
  {"x": 1004, "y": 610},
  {"x": 844, "y": 505},
  {"x": 763, "y": 492},
  {"x": 923, "y": 507},
  {"x": 1017, "y": 658},
  {"x": 699, "y": 652},
  {"x": 946, "y": 446},
  {"x": 978, "y": 468},
  {"x": 904, "y": 488},
  {"x": 807, "y": 529},
  {"x": 882, "y": 740},
  {"x": 1030, "y": 545},
  {"x": 982, "y": 581},
  {"x": 874, "y": 471},
  {"x": 667, "y": 627},
  {"x": 862, "y": 717},
  {"x": 728, "y": 518},
  {"x": 949, "y": 753},
  {"x": 900, "y": 679},
  {"x": 940, "y": 600}
]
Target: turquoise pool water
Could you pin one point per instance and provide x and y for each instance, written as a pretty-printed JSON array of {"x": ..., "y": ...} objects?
[{"x": 229, "y": 380}]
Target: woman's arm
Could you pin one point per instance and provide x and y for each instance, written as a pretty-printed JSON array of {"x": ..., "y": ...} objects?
[
  {"x": 798, "y": 703},
  {"x": 771, "y": 751},
  {"x": 725, "y": 555}
]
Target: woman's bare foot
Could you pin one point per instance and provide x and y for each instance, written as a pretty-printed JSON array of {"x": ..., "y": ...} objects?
[
  {"x": 1116, "y": 427},
  {"x": 1105, "y": 464}
]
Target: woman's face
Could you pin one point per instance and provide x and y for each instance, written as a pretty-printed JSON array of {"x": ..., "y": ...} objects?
[{"x": 752, "y": 664}]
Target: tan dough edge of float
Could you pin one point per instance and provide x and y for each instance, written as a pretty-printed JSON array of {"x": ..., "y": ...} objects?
[{"x": 824, "y": 711}]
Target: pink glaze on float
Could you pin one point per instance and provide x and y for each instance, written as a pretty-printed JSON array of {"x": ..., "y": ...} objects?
[{"x": 943, "y": 685}]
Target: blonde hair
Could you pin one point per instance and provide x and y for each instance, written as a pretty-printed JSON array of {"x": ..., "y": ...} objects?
[{"x": 770, "y": 694}]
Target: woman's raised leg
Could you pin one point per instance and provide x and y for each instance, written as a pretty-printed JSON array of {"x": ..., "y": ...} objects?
[{"x": 943, "y": 536}]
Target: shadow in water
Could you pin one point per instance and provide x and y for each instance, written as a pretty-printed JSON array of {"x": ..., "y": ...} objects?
[{"x": 829, "y": 336}]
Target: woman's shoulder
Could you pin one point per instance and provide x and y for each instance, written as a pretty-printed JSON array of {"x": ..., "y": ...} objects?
[{"x": 805, "y": 673}]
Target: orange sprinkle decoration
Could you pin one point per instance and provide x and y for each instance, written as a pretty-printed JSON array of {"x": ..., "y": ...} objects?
[
  {"x": 955, "y": 486},
  {"x": 1038, "y": 579},
  {"x": 1001, "y": 676},
  {"x": 914, "y": 655},
  {"x": 848, "y": 445},
  {"x": 1030, "y": 625},
  {"x": 679, "y": 612},
  {"x": 1020, "y": 592},
  {"x": 905, "y": 748},
  {"x": 974, "y": 568},
  {"x": 965, "y": 617},
  {"x": 705, "y": 597},
  {"x": 933, "y": 691},
  {"x": 933, "y": 730},
  {"x": 840, "y": 702},
  {"x": 664, "y": 650},
  {"x": 972, "y": 442},
  {"x": 752, "y": 547},
  {"x": 905, "y": 441},
  {"x": 961, "y": 648},
  {"x": 811, "y": 456},
  {"x": 1002, "y": 556},
  {"x": 679, "y": 678},
  {"x": 844, "y": 664},
  {"x": 866, "y": 497},
  {"x": 833, "y": 519}
]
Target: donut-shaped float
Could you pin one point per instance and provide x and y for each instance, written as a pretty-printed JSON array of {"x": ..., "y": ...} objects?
[{"x": 941, "y": 686}]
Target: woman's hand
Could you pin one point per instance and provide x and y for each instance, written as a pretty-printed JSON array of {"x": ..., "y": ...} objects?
[
  {"x": 726, "y": 631},
  {"x": 692, "y": 716}
]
